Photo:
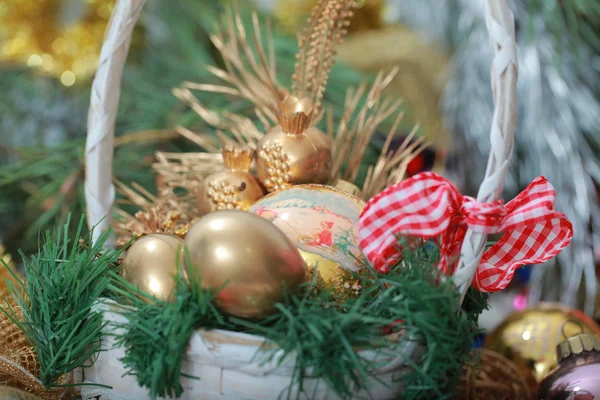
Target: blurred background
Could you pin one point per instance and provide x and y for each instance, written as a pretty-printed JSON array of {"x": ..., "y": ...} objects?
[{"x": 49, "y": 51}]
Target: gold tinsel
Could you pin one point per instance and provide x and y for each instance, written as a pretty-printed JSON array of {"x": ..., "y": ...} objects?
[
  {"x": 167, "y": 213},
  {"x": 61, "y": 38},
  {"x": 19, "y": 366}
]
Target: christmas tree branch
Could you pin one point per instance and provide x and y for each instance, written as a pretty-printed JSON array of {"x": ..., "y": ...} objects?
[{"x": 63, "y": 282}]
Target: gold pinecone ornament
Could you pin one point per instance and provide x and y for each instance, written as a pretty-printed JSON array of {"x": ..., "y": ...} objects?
[
  {"x": 294, "y": 152},
  {"x": 234, "y": 188}
]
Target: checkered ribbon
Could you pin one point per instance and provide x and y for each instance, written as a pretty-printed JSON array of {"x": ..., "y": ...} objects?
[{"x": 429, "y": 206}]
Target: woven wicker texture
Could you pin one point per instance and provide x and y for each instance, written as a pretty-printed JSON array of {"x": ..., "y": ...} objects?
[{"x": 501, "y": 26}]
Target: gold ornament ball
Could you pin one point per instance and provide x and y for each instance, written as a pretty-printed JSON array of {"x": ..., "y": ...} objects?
[
  {"x": 248, "y": 258},
  {"x": 493, "y": 377},
  {"x": 294, "y": 152},
  {"x": 233, "y": 188},
  {"x": 151, "y": 264},
  {"x": 529, "y": 337}
]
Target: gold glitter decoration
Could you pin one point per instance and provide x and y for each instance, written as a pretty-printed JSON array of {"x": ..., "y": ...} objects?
[
  {"x": 304, "y": 151},
  {"x": 61, "y": 38},
  {"x": 278, "y": 170},
  {"x": 167, "y": 213},
  {"x": 19, "y": 367},
  {"x": 249, "y": 73},
  {"x": 233, "y": 188},
  {"x": 368, "y": 14},
  {"x": 223, "y": 195},
  {"x": 343, "y": 285},
  {"x": 331, "y": 276},
  {"x": 324, "y": 30}
]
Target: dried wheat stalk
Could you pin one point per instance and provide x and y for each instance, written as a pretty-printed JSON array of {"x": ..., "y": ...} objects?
[
  {"x": 166, "y": 213},
  {"x": 250, "y": 74},
  {"x": 356, "y": 129},
  {"x": 317, "y": 44},
  {"x": 249, "y": 70}
]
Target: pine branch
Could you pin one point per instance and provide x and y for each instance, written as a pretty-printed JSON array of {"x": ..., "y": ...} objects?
[
  {"x": 319, "y": 331},
  {"x": 156, "y": 334},
  {"x": 63, "y": 281}
]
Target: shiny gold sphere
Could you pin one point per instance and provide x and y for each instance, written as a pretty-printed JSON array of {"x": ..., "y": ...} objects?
[
  {"x": 248, "y": 257},
  {"x": 529, "y": 337},
  {"x": 151, "y": 264}
]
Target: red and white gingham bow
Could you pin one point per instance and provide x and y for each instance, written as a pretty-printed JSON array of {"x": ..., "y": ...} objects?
[{"x": 429, "y": 206}]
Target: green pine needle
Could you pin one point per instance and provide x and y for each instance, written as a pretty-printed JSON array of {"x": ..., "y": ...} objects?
[
  {"x": 64, "y": 280},
  {"x": 156, "y": 334},
  {"x": 320, "y": 334}
]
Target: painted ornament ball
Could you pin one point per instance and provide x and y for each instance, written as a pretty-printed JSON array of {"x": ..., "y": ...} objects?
[{"x": 321, "y": 221}]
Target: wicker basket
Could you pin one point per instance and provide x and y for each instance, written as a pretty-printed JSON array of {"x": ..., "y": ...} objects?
[{"x": 229, "y": 363}]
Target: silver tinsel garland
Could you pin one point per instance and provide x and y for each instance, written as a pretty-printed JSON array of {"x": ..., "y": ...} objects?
[{"x": 558, "y": 130}]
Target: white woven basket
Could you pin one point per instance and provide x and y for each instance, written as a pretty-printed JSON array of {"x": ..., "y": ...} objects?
[{"x": 229, "y": 364}]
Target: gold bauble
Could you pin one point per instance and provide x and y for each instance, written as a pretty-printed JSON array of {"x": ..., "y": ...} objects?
[
  {"x": 234, "y": 188},
  {"x": 493, "y": 377},
  {"x": 529, "y": 337},
  {"x": 294, "y": 152},
  {"x": 151, "y": 264},
  {"x": 246, "y": 256}
]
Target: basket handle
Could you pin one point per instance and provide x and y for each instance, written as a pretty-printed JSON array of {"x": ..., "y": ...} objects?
[
  {"x": 99, "y": 189},
  {"x": 104, "y": 103},
  {"x": 500, "y": 23}
]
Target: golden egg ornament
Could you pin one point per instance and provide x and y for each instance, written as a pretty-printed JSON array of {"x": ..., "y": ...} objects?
[
  {"x": 150, "y": 264},
  {"x": 529, "y": 337},
  {"x": 294, "y": 152},
  {"x": 233, "y": 188},
  {"x": 322, "y": 222},
  {"x": 493, "y": 377},
  {"x": 249, "y": 259}
]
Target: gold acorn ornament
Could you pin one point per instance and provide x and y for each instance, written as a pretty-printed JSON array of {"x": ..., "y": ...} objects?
[
  {"x": 294, "y": 152},
  {"x": 233, "y": 188}
]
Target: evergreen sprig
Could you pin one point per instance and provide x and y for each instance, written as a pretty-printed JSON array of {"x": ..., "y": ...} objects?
[
  {"x": 63, "y": 281},
  {"x": 156, "y": 329},
  {"x": 322, "y": 335}
]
